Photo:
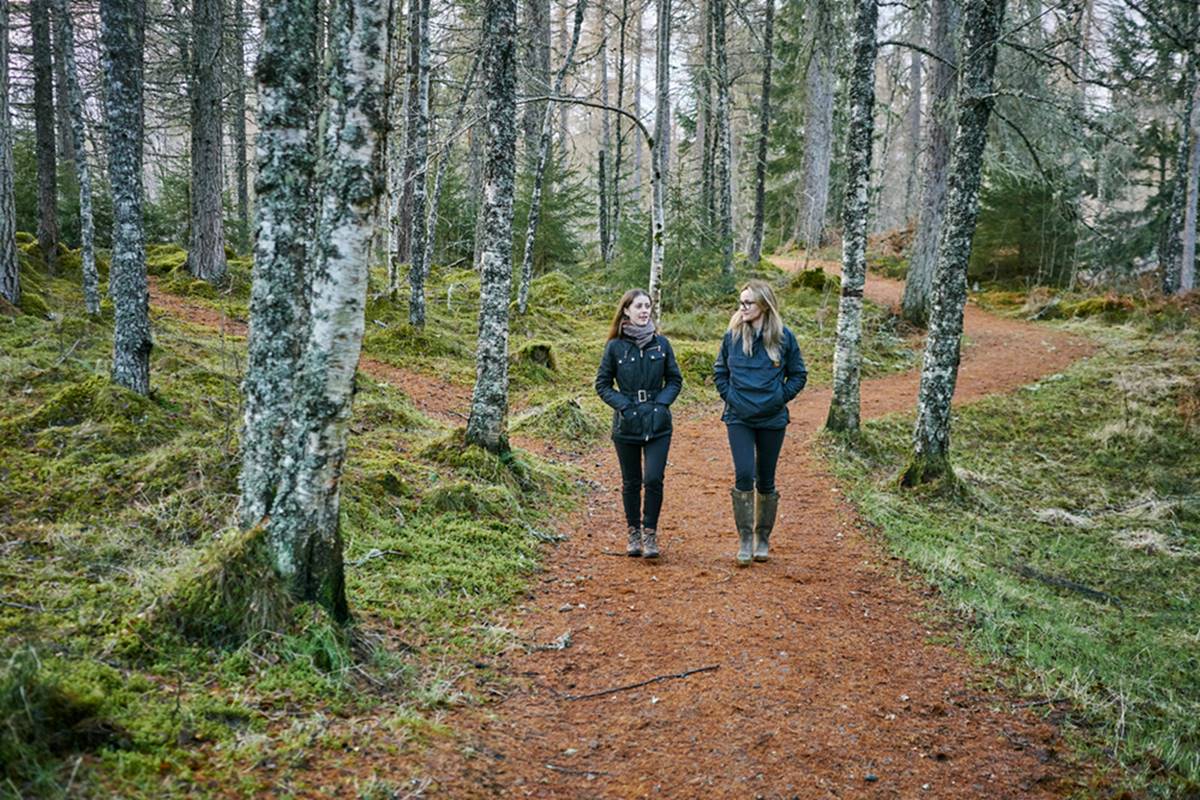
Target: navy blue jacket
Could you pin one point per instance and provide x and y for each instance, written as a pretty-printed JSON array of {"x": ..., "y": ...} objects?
[
  {"x": 648, "y": 381},
  {"x": 756, "y": 390}
]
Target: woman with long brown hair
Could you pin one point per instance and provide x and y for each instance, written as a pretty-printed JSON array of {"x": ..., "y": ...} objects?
[
  {"x": 758, "y": 371},
  {"x": 640, "y": 361}
]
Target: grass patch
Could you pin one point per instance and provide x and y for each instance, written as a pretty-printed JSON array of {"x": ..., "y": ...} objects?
[{"x": 1073, "y": 549}]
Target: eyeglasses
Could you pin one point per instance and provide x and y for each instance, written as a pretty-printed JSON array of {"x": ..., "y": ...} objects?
[{"x": 747, "y": 303}]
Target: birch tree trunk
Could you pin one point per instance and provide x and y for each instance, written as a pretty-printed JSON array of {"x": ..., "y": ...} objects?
[
  {"x": 818, "y": 132},
  {"x": 543, "y": 155},
  {"x": 43, "y": 120},
  {"x": 487, "y": 424},
  {"x": 605, "y": 136},
  {"x": 847, "y": 356},
  {"x": 536, "y": 57},
  {"x": 939, "y": 127},
  {"x": 1170, "y": 251},
  {"x": 286, "y": 161},
  {"x": 638, "y": 47},
  {"x": 614, "y": 225},
  {"x": 238, "y": 113},
  {"x": 396, "y": 155},
  {"x": 1187, "y": 267},
  {"x": 304, "y": 532},
  {"x": 10, "y": 276},
  {"x": 660, "y": 150},
  {"x": 939, "y": 373},
  {"x": 914, "y": 117},
  {"x": 764, "y": 129},
  {"x": 704, "y": 113},
  {"x": 724, "y": 176},
  {"x": 418, "y": 148},
  {"x": 206, "y": 249},
  {"x": 87, "y": 232},
  {"x": 123, "y": 26}
]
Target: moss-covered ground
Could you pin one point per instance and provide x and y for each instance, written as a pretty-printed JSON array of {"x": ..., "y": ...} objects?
[
  {"x": 110, "y": 501},
  {"x": 1073, "y": 551}
]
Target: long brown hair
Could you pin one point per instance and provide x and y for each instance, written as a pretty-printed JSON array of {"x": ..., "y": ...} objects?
[
  {"x": 614, "y": 330},
  {"x": 772, "y": 323}
]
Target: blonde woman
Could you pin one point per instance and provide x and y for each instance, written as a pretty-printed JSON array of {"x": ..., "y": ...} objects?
[
  {"x": 640, "y": 361},
  {"x": 758, "y": 372}
]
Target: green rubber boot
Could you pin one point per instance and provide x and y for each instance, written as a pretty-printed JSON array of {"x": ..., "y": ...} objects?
[
  {"x": 743, "y": 518},
  {"x": 764, "y": 514}
]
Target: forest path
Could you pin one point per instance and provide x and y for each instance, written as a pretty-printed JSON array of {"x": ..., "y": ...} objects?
[{"x": 829, "y": 680}]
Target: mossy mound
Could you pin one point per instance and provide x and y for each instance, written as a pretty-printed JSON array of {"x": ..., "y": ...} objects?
[
  {"x": 1112, "y": 308},
  {"x": 472, "y": 461},
  {"x": 564, "y": 420},
  {"x": 95, "y": 398},
  {"x": 181, "y": 282},
  {"x": 468, "y": 498},
  {"x": 163, "y": 259},
  {"x": 556, "y": 290},
  {"x": 533, "y": 363},
  {"x": 228, "y": 594},
  {"x": 696, "y": 364},
  {"x": 25, "y": 237},
  {"x": 889, "y": 266},
  {"x": 816, "y": 279}
]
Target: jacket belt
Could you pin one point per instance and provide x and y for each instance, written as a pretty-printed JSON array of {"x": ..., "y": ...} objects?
[{"x": 640, "y": 395}]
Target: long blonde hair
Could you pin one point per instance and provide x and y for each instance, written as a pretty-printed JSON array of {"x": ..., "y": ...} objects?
[{"x": 772, "y": 322}]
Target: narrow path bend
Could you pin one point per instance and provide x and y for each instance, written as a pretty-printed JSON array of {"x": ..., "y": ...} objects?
[{"x": 830, "y": 682}]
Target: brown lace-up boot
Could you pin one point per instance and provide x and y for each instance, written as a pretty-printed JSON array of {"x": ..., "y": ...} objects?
[
  {"x": 649, "y": 543},
  {"x": 634, "y": 547}
]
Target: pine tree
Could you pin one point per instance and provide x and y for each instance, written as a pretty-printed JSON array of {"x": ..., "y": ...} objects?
[
  {"x": 43, "y": 119},
  {"x": 818, "y": 130},
  {"x": 123, "y": 28},
  {"x": 10, "y": 276},
  {"x": 206, "y": 247},
  {"x": 764, "y": 129}
]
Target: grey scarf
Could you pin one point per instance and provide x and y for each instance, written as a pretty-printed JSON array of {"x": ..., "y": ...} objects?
[{"x": 642, "y": 335}]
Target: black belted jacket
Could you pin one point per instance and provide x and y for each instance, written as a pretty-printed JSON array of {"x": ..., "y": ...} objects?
[{"x": 647, "y": 381}]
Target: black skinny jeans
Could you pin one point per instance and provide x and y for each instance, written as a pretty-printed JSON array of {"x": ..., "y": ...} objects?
[
  {"x": 634, "y": 477},
  {"x": 755, "y": 454}
]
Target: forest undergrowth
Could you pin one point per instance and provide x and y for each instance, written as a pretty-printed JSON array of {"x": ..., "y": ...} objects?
[
  {"x": 1073, "y": 553},
  {"x": 109, "y": 502}
]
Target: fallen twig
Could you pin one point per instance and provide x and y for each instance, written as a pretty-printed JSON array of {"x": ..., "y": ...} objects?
[
  {"x": 639, "y": 684},
  {"x": 373, "y": 554},
  {"x": 1044, "y": 702},
  {"x": 1027, "y": 571},
  {"x": 570, "y": 771}
]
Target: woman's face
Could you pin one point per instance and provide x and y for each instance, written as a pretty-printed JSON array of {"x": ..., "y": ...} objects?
[
  {"x": 638, "y": 311},
  {"x": 749, "y": 307}
]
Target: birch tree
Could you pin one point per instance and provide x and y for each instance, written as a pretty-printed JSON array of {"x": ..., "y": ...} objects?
[
  {"x": 10, "y": 276},
  {"x": 847, "y": 356},
  {"x": 418, "y": 150},
  {"x": 1187, "y": 267},
  {"x": 724, "y": 141},
  {"x": 206, "y": 245},
  {"x": 535, "y": 52},
  {"x": 487, "y": 424},
  {"x": 123, "y": 27},
  {"x": 939, "y": 372},
  {"x": 818, "y": 131},
  {"x": 87, "y": 234},
  {"x": 939, "y": 127},
  {"x": 764, "y": 129},
  {"x": 543, "y": 155},
  {"x": 660, "y": 150},
  {"x": 43, "y": 121}
]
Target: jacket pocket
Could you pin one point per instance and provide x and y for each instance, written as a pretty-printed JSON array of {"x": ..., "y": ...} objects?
[
  {"x": 631, "y": 421},
  {"x": 659, "y": 420}
]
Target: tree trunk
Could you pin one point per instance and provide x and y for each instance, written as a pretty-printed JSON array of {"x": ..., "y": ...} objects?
[
  {"x": 543, "y": 155},
  {"x": 704, "y": 114},
  {"x": 62, "y": 114},
  {"x": 939, "y": 127},
  {"x": 286, "y": 151},
  {"x": 487, "y": 424},
  {"x": 123, "y": 26},
  {"x": 418, "y": 149},
  {"x": 847, "y": 356},
  {"x": 237, "y": 69},
  {"x": 1187, "y": 268},
  {"x": 764, "y": 128},
  {"x": 724, "y": 175},
  {"x": 410, "y": 115},
  {"x": 10, "y": 275},
  {"x": 605, "y": 137},
  {"x": 396, "y": 161},
  {"x": 87, "y": 233},
  {"x": 614, "y": 203},
  {"x": 914, "y": 117},
  {"x": 660, "y": 151},
  {"x": 638, "y": 46},
  {"x": 536, "y": 57},
  {"x": 939, "y": 372},
  {"x": 43, "y": 120},
  {"x": 206, "y": 249},
  {"x": 818, "y": 130},
  {"x": 444, "y": 160}
]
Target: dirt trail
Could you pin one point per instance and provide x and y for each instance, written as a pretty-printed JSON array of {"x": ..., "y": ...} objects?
[{"x": 829, "y": 683}]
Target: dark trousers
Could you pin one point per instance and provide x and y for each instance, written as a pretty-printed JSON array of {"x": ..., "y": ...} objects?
[
  {"x": 755, "y": 454},
  {"x": 634, "y": 477}
]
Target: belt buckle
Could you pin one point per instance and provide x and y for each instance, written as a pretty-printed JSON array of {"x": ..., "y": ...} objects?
[{"x": 642, "y": 395}]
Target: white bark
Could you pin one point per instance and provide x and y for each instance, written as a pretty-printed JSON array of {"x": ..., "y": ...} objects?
[
  {"x": 660, "y": 151},
  {"x": 847, "y": 356},
  {"x": 1187, "y": 269},
  {"x": 419, "y": 152},
  {"x": 724, "y": 141}
]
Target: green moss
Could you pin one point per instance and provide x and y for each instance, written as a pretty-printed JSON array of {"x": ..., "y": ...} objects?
[
  {"x": 696, "y": 364},
  {"x": 816, "y": 279},
  {"x": 566, "y": 420},
  {"x": 25, "y": 237},
  {"x": 889, "y": 265},
  {"x": 473, "y": 461},
  {"x": 181, "y": 282},
  {"x": 469, "y": 498},
  {"x": 163, "y": 259},
  {"x": 93, "y": 398},
  {"x": 1111, "y": 307}
]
